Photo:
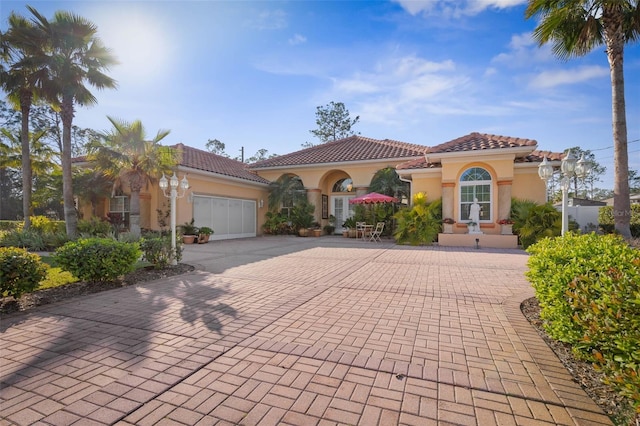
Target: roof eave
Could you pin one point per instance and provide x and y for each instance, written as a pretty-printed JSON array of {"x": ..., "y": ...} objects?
[
  {"x": 439, "y": 156},
  {"x": 338, "y": 163},
  {"x": 186, "y": 169}
]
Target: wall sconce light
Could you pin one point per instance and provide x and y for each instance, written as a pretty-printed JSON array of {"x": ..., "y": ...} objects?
[{"x": 260, "y": 204}]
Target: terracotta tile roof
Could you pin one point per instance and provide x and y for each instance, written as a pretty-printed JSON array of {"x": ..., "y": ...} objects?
[
  {"x": 209, "y": 162},
  {"x": 538, "y": 156},
  {"x": 418, "y": 163},
  {"x": 480, "y": 141},
  {"x": 353, "y": 148}
]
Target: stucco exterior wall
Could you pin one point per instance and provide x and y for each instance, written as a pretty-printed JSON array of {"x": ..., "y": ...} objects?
[{"x": 527, "y": 185}]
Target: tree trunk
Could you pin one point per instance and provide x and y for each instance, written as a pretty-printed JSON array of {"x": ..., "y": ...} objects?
[
  {"x": 25, "y": 109},
  {"x": 614, "y": 36},
  {"x": 135, "y": 184},
  {"x": 70, "y": 214}
]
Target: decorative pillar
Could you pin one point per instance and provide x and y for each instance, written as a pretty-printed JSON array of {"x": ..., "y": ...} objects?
[
  {"x": 504, "y": 199},
  {"x": 314, "y": 196},
  {"x": 448, "y": 207}
]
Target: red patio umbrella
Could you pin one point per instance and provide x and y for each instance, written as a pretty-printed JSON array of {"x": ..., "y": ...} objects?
[{"x": 373, "y": 198}]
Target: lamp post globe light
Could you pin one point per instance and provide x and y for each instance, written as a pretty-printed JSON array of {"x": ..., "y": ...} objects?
[
  {"x": 569, "y": 167},
  {"x": 173, "y": 195}
]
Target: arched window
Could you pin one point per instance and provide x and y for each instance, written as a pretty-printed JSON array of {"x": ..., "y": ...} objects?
[
  {"x": 343, "y": 185},
  {"x": 475, "y": 183}
]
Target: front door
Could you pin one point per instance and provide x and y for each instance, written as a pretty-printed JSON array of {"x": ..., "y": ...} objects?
[{"x": 341, "y": 209}]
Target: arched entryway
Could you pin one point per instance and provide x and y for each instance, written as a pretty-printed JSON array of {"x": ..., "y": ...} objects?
[{"x": 341, "y": 191}]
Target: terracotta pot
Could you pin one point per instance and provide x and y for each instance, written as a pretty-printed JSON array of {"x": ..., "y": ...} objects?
[
  {"x": 303, "y": 232},
  {"x": 189, "y": 239},
  {"x": 317, "y": 232}
]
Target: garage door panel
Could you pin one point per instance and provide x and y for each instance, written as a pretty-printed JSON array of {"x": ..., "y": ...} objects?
[{"x": 228, "y": 217}]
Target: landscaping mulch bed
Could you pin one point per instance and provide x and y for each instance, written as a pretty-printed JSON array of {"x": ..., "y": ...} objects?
[
  {"x": 51, "y": 295},
  {"x": 618, "y": 408}
]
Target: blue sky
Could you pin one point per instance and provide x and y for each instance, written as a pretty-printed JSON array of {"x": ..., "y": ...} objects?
[{"x": 251, "y": 74}]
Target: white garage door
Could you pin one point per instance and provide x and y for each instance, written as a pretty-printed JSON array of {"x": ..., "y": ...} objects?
[{"x": 228, "y": 217}]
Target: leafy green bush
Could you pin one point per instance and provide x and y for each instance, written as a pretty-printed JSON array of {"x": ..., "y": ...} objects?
[
  {"x": 20, "y": 271},
  {"x": 606, "y": 306},
  {"x": 95, "y": 227},
  {"x": 276, "y": 223},
  {"x": 43, "y": 224},
  {"x": 419, "y": 224},
  {"x": 158, "y": 251},
  {"x": 533, "y": 222},
  {"x": 606, "y": 220},
  {"x": 28, "y": 239},
  {"x": 9, "y": 225},
  {"x": 97, "y": 259},
  {"x": 555, "y": 263}
]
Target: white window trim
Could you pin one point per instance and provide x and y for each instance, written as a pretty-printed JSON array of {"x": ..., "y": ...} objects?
[{"x": 475, "y": 183}]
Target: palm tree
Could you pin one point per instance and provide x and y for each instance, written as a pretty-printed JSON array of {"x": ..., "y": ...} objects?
[
  {"x": 129, "y": 159},
  {"x": 69, "y": 49},
  {"x": 575, "y": 27},
  {"x": 386, "y": 181},
  {"x": 22, "y": 82},
  {"x": 286, "y": 192}
]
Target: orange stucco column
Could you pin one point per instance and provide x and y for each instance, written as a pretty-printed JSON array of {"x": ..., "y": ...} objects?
[
  {"x": 504, "y": 198},
  {"x": 447, "y": 200},
  {"x": 314, "y": 196}
]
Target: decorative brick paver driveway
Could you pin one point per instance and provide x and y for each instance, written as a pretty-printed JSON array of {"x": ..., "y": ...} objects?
[{"x": 300, "y": 331}]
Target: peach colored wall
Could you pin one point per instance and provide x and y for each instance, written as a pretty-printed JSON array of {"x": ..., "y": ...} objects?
[
  {"x": 429, "y": 184},
  {"x": 527, "y": 185}
]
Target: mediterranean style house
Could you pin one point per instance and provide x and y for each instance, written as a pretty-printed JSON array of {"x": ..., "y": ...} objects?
[{"x": 231, "y": 197}]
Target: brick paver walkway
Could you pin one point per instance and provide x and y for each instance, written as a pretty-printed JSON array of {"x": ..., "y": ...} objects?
[{"x": 314, "y": 331}]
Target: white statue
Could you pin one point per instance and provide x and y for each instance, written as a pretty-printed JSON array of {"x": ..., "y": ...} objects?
[{"x": 474, "y": 217}]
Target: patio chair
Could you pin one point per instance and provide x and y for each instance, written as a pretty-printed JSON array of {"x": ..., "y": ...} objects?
[
  {"x": 375, "y": 234},
  {"x": 360, "y": 229}
]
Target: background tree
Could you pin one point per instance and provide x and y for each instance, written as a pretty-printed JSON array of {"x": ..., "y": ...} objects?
[
  {"x": 92, "y": 186},
  {"x": 217, "y": 147},
  {"x": 22, "y": 81},
  {"x": 68, "y": 47},
  {"x": 334, "y": 122},
  {"x": 130, "y": 160},
  {"x": 634, "y": 181},
  {"x": 575, "y": 28}
]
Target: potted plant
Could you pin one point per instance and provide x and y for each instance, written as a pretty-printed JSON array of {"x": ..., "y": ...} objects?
[
  {"x": 350, "y": 227},
  {"x": 447, "y": 224},
  {"x": 189, "y": 232},
  {"x": 302, "y": 217},
  {"x": 204, "y": 234},
  {"x": 506, "y": 226},
  {"x": 331, "y": 227}
]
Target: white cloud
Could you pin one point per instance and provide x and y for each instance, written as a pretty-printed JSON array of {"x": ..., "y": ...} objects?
[
  {"x": 454, "y": 8},
  {"x": 268, "y": 20},
  {"x": 523, "y": 52},
  {"x": 297, "y": 39},
  {"x": 548, "y": 79}
]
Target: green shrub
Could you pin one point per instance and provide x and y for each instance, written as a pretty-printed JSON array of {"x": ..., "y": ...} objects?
[
  {"x": 419, "y": 224},
  {"x": 554, "y": 264},
  {"x": 95, "y": 227},
  {"x": 97, "y": 259},
  {"x": 28, "y": 239},
  {"x": 606, "y": 307},
  {"x": 533, "y": 222},
  {"x": 9, "y": 225},
  {"x": 606, "y": 220},
  {"x": 276, "y": 223},
  {"x": 158, "y": 251},
  {"x": 43, "y": 224},
  {"x": 20, "y": 271}
]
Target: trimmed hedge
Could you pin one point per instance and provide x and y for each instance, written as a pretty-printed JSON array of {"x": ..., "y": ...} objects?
[
  {"x": 97, "y": 259},
  {"x": 20, "y": 271},
  {"x": 588, "y": 287},
  {"x": 158, "y": 250}
]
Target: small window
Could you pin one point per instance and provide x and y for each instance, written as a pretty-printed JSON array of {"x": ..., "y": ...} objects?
[
  {"x": 475, "y": 183},
  {"x": 343, "y": 185},
  {"x": 119, "y": 211}
]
